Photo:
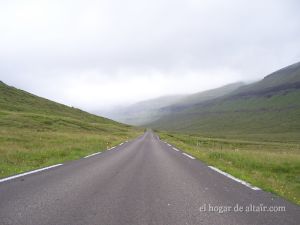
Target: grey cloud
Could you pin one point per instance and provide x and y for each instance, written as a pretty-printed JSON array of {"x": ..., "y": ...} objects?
[{"x": 59, "y": 42}]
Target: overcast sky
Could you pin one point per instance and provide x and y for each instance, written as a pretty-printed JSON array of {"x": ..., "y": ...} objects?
[{"x": 98, "y": 54}]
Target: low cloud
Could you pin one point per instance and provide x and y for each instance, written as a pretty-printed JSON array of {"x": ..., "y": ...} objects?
[{"x": 98, "y": 54}]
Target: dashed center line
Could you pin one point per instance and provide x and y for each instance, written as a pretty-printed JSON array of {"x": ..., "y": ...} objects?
[{"x": 191, "y": 157}]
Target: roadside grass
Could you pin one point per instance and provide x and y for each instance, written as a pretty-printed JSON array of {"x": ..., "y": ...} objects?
[
  {"x": 29, "y": 141},
  {"x": 272, "y": 166}
]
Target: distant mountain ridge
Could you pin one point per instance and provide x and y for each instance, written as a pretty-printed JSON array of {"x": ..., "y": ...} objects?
[
  {"x": 200, "y": 97},
  {"x": 142, "y": 112},
  {"x": 150, "y": 110},
  {"x": 271, "y": 105},
  {"x": 283, "y": 79}
]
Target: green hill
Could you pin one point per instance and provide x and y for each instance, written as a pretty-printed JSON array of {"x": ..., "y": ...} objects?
[
  {"x": 150, "y": 110},
  {"x": 210, "y": 94},
  {"x": 36, "y": 132},
  {"x": 198, "y": 98},
  {"x": 283, "y": 79},
  {"x": 268, "y": 109}
]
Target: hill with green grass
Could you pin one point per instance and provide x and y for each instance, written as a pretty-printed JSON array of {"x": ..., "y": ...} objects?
[
  {"x": 197, "y": 98},
  {"x": 268, "y": 109},
  {"x": 151, "y": 110},
  {"x": 284, "y": 79},
  {"x": 36, "y": 132}
]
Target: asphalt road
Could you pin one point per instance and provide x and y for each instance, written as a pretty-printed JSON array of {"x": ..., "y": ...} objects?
[{"x": 144, "y": 181}]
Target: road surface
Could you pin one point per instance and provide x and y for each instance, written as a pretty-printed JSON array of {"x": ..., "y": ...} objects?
[{"x": 144, "y": 181}]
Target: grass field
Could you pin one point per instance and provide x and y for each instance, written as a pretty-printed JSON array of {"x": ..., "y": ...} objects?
[
  {"x": 36, "y": 132},
  {"x": 272, "y": 166},
  {"x": 264, "y": 118},
  {"x": 36, "y": 143}
]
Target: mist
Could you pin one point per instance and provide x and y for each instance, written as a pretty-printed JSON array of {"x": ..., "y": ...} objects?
[{"x": 97, "y": 55}]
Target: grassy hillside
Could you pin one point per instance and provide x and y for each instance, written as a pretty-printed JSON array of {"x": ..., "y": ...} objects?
[
  {"x": 36, "y": 132},
  {"x": 148, "y": 111},
  {"x": 200, "y": 97},
  {"x": 266, "y": 110},
  {"x": 285, "y": 78},
  {"x": 266, "y": 118}
]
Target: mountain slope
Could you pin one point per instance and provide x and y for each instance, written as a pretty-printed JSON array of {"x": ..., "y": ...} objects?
[
  {"x": 267, "y": 109},
  {"x": 36, "y": 132},
  {"x": 143, "y": 112},
  {"x": 283, "y": 79},
  {"x": 210, "y": 94},
  {"x": 198, "y": 98},
  {"x": 148, "y": 111}
]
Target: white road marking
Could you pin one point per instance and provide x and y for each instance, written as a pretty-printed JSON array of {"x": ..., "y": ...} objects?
[
  {"x": 121, "y": 144},
  {"x": 234, "y": 178},
  {"x": 30, "y": 172},
  {"x": 191, "y": 157},
  {"x": 169, "y": 144},
  {"x": 92, "y": 155},
  {"x": 176, "y": 149}
]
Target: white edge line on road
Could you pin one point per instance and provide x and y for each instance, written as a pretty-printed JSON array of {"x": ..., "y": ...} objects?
[
  {"x": 234, "y": 178},
  {"x": 92, "y": 155},
  {"x": 191, "y": 157},
  {"x": 30, "y": 172},
  {"x": 169, "y": 144},
  {"x": 176, "y": 149},
  {"x": 121, "y": 144}
]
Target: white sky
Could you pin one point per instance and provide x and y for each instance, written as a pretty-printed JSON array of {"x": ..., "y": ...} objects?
[{"x": 98, "y": 54}]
